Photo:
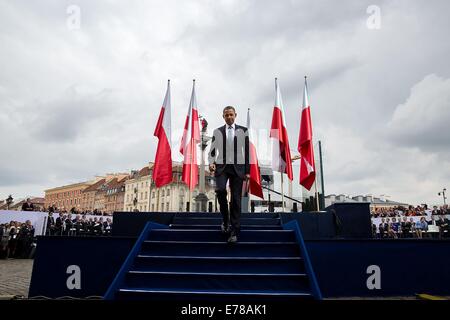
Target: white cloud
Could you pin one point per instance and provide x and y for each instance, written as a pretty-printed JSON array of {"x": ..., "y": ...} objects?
[
  {"x": 424, "y": 119},
  {"x": 84, "y": 102}
]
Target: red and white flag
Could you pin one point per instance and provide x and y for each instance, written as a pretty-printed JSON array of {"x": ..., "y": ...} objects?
[
  {"x": 162, "y": 170},
  {"x": 255, "y": 187},
  {"x": 189, "y": 141},
  {"x": 305, "y": 145},
  {"x": 281, "y": 154}
]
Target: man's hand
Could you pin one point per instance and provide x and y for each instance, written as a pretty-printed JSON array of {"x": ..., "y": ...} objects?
[
  {"x": 247, "y": 176},
  {"x": 212, "y": 167}
]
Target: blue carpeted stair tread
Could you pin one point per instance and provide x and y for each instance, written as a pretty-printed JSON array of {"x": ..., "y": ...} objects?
[
  {"x": 213, "y": 231},
  {"x": 227, "y": 292},
  {"x": 217, "y": 236},
  {"x": 191, "y": 260},
  {"x": 220, "y": 274},
  {"x": 220, "y": 258},
  {"x": 218, "y": 215},
  {"x": 220, "y": 248},
  {"x": 218, "y": 221},
  {"x": 240, "y": 243},
  {"x": 246, "y": 264},
  {"x": 217, "y": 227}
]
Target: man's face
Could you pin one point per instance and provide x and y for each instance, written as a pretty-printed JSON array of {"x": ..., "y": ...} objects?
[{"x": 229, "y": 116}]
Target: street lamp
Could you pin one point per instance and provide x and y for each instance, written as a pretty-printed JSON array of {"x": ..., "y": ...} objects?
[
  {"x": 443, "y": 195},
  {"x": 202, "y": 198}
]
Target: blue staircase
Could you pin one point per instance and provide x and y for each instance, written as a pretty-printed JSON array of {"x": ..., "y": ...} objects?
[{"x": 191, "y": 260}]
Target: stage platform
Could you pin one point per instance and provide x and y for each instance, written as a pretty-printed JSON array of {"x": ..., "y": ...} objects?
[{"x": 345, "y": 262}]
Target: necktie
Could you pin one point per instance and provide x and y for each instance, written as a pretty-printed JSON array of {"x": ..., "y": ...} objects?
[{"x": 230, "y": 145}]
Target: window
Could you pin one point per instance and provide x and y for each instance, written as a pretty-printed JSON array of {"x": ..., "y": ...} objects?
[
  {"x": 142, "y": 195},
  {"x": 168, "y": 191},
  {"x": 153, "y": 195},
  {"x": 146, "y": 184},
  {"x": 167, "y": 206},
  {"x": 163, "y": 192},
  {"x": 140, "y": 208},
  {"x": 146, "y": 195},
  {"x": 142, "y": 184},
  {"x": 153, "y": 207}
]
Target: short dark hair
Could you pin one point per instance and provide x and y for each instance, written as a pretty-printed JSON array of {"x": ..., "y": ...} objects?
[{"x": 229, "y": 108}]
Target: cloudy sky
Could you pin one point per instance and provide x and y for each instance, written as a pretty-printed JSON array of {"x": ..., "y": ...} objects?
[{"x": 82, "y": 82}]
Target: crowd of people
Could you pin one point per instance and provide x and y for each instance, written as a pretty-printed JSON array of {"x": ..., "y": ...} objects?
[
  {"x": 80, "y": 225},
  {"x": 405, "y": 227},
  {"x": 411, "y": 211},
  {"x": 29, "y": 206},
  {"x": 75, "y": 211},
  {"x": 17, "y": 239}
]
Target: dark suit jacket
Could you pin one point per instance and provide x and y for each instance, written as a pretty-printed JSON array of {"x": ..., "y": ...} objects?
[{"x": 218, "y": 152}]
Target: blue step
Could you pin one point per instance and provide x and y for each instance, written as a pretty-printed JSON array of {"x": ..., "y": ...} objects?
[
  {"x": 218, "y": 215},
  {"x": 218, "y": 221},
  {"x": 156, "y": 294},
  {"x": 192, "y": 281},
  {"x": 219, "y": 264},
  {"x": 218, "y": 227},
  {"x": 213, "y": 235},
  {"x": 205, "y": 249},
  {"x": 191, "y": 260}
]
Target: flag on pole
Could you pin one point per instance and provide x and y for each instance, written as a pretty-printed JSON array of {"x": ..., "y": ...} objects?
[
  {"x": 255, "y": 187},
  {"x": 189, "y": 141},
  {"x": 281, "y": 154},
  {"x": 162, "y": 169},
  {"x": 305, "y": 144}
]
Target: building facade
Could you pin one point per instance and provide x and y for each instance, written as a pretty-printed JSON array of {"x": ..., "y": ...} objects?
[
  {"x": 115, "y": 195},
  {"x": 66, "y": 197},
  {"x": 137, "y": 189},
  {"x": 88, "y": 196},
  {"x": 142, "y": 195},
  {"x": 375, "y": 203}
]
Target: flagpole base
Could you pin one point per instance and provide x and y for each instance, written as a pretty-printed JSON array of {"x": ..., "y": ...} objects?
[{"x": 203, "y": 200}]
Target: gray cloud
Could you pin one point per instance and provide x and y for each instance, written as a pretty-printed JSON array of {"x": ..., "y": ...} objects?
[
  {"x": 423, "y": 121},
  {"x": 364, "y": 85},
  {"x": 64, "y": 119}
]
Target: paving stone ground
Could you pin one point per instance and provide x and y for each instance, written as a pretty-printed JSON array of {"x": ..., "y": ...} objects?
[{"x": 15, "y": 276}]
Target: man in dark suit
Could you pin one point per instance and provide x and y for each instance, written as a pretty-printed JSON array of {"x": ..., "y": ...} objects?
[
  {"x": 27, "y": 206},
  {"x": 50, "y": 224},
  {"x": 229, "y": 160}
]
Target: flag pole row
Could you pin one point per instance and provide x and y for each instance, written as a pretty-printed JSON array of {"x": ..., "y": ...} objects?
[{"x": 281, "y": 156}]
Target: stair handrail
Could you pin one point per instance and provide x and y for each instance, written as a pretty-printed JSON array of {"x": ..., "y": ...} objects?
[
  {"x": 293, "y": 225},
  {"x": 118, "y": 279}
]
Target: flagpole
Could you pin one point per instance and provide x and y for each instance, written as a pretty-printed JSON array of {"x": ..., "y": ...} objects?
[
  {"x": 191, "y": 156},
  {"x": 190, "y": 182},
  {"x": 282, "y": 192},
  {"x": 317, "y": 193}
]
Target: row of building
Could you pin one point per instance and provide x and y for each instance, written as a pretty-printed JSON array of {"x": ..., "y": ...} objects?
[
  {"x": 375, "y": 203},
  {"x": 135, "y": 191}
]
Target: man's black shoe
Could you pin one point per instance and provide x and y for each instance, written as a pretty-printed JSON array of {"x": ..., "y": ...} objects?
[
  {"x": 232, "y": 238},
  {"x": 225, "y": 229}
]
